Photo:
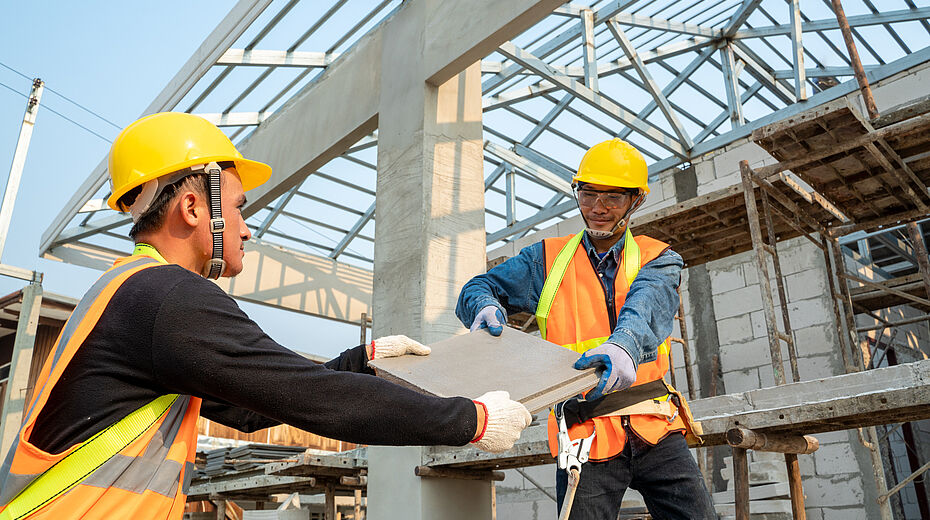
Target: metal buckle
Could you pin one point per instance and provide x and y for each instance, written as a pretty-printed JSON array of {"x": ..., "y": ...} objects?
[{"x": 217, "y": 225}]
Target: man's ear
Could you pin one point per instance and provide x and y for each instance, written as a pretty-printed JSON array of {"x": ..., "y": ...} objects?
[{"x": 189, "y": 208}]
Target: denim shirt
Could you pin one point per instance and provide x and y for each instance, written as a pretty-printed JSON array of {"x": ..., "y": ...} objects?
[{"x": 645, "y": 319}]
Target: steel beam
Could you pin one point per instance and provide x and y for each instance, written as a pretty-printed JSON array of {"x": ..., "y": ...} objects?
[
  {"x": 273, "y": 58},
  {"x": 587, "y": 46},
  {"x": 593, "y": 98},
  {"x": 829, "y": 24},
  {"x": 551, "y": 46},
  {"x": 356, "y": 229},
  {"x": 545, "y": 177},
  {"x": 17, "y": 387},
  {"x": 651, "y": 86},
  {"x": 740, "y": 16},
  {"x": 731, "y": 84},
  {"x": 648, "y": 22}
]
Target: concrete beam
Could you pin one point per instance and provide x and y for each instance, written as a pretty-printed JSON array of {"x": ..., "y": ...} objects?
[
  {"x": 301, "y": 282},
  {"x": 272, "y": 275},
  {"x": 341, "y": 106}
]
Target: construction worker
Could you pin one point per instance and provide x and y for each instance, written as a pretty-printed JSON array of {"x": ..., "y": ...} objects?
[
  {"x": 612, "y": 298},
  {"x": 111, "y": 431}
]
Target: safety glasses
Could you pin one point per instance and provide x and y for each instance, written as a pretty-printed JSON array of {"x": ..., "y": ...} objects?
[{"x": 610, "y": 199}]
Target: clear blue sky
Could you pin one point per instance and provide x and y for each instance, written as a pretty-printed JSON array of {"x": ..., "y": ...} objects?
[{"x": 113, "y": 58}]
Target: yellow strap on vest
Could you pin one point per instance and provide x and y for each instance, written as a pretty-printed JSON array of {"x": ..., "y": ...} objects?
[
  {"x": 554, "y": 280},
  {"x": 631, "y": 261},
  {"x": 85, "y": 459}
]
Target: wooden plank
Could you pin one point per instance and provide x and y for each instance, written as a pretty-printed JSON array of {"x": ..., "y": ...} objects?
[{"x": 535, "y": 372}]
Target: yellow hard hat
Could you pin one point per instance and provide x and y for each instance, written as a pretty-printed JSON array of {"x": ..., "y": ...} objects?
[
  {"x": 167, "y": 142},
  {"x": 614, "y": 163}
]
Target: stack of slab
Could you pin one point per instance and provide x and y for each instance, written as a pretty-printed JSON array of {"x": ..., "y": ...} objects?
[
  {"x": 215, "y": 464},
  {"x": 241, "y": 458},
  {"x": 768, "y": 488},
  {"x": 254, "y": 455}
]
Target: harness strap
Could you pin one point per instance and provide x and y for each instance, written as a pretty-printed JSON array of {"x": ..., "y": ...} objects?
[
  {"x": 554, "y": 280},
  {"x": 85, "y": 459}
]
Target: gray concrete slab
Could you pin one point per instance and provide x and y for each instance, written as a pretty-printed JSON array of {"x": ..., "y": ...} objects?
[{"x": 535, "y": 372}]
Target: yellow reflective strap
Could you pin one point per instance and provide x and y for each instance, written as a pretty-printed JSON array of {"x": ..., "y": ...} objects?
[
  {"x": 583, "y": 346},
  {"x": 553, "y": 281},
  {"x": 631, "y": 257},
  {"x": 85, "y": 459}
]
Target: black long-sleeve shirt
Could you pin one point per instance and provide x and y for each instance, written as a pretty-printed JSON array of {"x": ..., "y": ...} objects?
[{"x": 167, "y": 330}]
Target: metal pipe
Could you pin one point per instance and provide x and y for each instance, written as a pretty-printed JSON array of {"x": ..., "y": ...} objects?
[{"x": 854, "y": 59}]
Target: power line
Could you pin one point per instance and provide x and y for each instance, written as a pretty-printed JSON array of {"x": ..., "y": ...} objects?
[
  {"x": 59, "y": 114},
  {"x": 66, "y": 98}
]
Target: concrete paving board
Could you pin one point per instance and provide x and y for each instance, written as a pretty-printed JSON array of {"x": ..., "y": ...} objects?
[{"x": 535, "y": 372}]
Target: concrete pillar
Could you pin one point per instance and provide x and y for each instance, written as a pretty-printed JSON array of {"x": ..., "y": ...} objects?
[
  {"x": 705, "y": 344},
  {"x": 429, "y": 240},
  {"x": 14, "y": 401},
  {"x": 430, "y": 231}
]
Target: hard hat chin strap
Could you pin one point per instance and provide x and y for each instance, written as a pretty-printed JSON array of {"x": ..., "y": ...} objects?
[{"x": 215, "y": 266}]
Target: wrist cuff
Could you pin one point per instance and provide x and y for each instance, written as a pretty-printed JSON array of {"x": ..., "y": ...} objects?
[{"x": 486, "y": 418}]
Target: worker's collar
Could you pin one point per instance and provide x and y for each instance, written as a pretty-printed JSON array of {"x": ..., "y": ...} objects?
[
  {"x": 614, "y": 250},
  {"x": 148, "y": 250}
]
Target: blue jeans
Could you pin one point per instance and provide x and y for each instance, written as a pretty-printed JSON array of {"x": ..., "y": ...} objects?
[{"x": 665, "y": 474}]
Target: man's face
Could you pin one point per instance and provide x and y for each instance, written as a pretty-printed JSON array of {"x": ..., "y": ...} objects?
[
  {"x": 594, "y": 205},
  {"x": 236, "y": 233}
]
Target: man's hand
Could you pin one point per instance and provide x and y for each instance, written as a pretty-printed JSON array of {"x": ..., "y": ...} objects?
[
  {"x": 490, "y": 317},
  {"x": 393, "y": 346},
  {"x": 504, "y": 421},
  {"x": 614, "y": 366}
]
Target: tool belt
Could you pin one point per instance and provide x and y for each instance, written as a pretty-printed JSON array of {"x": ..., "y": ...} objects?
[{"x": 653, "y": 398}]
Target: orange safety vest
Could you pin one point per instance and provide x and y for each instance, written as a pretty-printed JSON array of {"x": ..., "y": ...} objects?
[
  {"x": 578, "y": 320},
  {"x": 146, "y": 479}
]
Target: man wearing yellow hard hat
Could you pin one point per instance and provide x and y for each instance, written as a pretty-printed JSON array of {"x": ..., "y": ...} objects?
[
  {"x": 111, "y": 431},
  {"x": 611, "y": 297}
]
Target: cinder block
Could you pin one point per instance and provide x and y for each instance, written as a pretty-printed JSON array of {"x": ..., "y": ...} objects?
[
  {"x": 817, "y": 339},
  {"x": 806, "y": 313},
  {"x": 798, "y": 255},
  {"x": 815, "y": 367},
  {"x": 759, "y": 328},
  {"x": 846, "y": 513},
  {"x": 779, "y": 490},
  {"x": 760, "y": 473},
  {"x": 838, "y": 491},
  {"x": 811, "y": 283},
  {"x": 739, "y": 356},
  {"x": 734, "y": 330},
  {"x": 835, "y": 459},
  {"x": 738, "y": 301},
  {"x": 724, "y": 280},
  {"x": 704, "y": 170},
  {"x": 814, "y": 513},
  {"x": 741, "y": 380},
  {"x": 759, "y": 506}
]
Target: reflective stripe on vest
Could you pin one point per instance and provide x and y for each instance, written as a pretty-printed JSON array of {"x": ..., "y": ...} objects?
[
  {"x": 137, "y": 468},
  {"x": 576, "y": 313}
]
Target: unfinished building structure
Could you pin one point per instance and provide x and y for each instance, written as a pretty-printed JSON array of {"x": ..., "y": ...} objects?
[{"x": 426, "y": 137}]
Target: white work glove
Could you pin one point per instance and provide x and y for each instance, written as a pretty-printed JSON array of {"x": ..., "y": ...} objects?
[
  {"x": 614, "y": 366},
  {"x": 505, "y": 421},
  {"x": 490, "y": 317},
  {"x": 393, "y": 346}
]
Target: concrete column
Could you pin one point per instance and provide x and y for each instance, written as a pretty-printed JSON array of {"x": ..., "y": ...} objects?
[
  {"x": 430, "y": 231},
  {"x": 14, "y": 401},
  {"x": 429, "y": 240}
]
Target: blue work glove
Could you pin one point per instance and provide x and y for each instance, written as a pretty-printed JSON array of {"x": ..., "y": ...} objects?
[
  {"x": 490, "y": 317},
  {"x": 614, "y": 368}
]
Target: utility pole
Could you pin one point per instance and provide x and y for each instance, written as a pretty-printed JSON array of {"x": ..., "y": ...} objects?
[{"x": 19, "y": 161}]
